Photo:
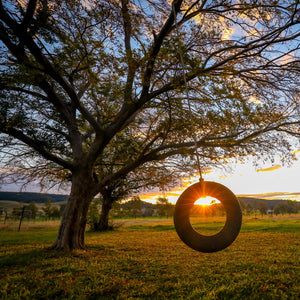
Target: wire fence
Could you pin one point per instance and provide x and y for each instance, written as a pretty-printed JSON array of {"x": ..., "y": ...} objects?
[{"x": 16, "y": 218}]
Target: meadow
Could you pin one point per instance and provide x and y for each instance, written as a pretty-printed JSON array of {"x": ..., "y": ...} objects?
[{"x": 145, "y": 259}]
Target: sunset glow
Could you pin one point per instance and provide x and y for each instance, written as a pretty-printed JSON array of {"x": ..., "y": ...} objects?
[{"x": 268, "y": 182}]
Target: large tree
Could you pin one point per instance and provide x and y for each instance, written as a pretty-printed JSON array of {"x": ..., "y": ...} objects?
[{"x": 153, "y": 79}]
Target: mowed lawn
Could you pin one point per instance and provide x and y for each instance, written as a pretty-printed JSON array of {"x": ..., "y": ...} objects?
[{"x": 144, "y": 259}]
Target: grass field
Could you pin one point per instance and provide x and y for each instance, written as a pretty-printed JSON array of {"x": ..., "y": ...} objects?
[{"x": 144, "y": 259}]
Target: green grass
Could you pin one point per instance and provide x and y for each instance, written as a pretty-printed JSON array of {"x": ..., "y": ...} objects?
[{"x": 150, "y": 262}]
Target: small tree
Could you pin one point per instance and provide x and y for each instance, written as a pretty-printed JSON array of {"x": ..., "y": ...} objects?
[
  {"x": 133, "y": 207},
  {"x": 292, "y": 206},
  {"x": 116, "y": 210},
  {"x": 249, "y": 209},
  {"x": 33, "y": 208},
  {"x": 47, "y": 209},
  {"x": 50, "y": 211},
  {"x": 164, "y": 207},
  {"x": 55, "y": 212},
  {"x": 280, "y": 208},
  {"x": 262, "y": 207}
]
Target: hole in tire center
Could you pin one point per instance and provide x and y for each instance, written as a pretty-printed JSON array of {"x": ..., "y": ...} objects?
[{"x": 207, "y": 216}]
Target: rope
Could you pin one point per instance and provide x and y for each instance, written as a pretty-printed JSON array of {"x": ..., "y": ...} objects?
[{"x": 187, "y": 96}]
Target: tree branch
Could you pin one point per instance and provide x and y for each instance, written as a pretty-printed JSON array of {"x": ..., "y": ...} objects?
[
  {"x": 131, "y": 63},
  {"x": 26, "y": 39},
  {"x": 189, "y": 148},
  {"x": 157, "y": 43},
  {"x": 37, "y": 146},
  {"x": 29, "y": 14},
  {"x": 130, "y": 109}
]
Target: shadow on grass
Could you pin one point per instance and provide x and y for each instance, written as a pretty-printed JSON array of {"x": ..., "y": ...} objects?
[
  {"x": 27, "y": 237},
  {"x": 23, "y": 258},
  {"x": 34, "y": 256}
]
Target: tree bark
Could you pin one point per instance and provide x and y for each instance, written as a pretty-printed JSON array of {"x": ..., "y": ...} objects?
[
  {"x": 104, "y": 216},
  {"x": 72, "y": 228}
]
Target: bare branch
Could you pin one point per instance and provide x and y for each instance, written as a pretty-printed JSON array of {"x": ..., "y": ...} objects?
[{"x": 29, "y": 13}]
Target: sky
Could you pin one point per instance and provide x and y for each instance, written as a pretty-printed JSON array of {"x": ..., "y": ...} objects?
[{"x": 269, "y": 181}]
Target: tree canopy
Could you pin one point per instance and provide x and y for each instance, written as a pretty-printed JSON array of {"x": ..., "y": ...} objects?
[{"x": 93, "y": 91}]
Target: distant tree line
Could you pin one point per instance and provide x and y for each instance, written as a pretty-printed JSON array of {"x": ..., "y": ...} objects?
[
  {"x": 136, "y": 208},
  {"x": 32, "y": 211},
  {"x": 261, "y": 207}
]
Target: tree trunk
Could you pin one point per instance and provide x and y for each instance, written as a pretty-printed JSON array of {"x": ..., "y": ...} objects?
[
  {"x": 104, "y": 217},
  {"x": 72, "y": 228}
]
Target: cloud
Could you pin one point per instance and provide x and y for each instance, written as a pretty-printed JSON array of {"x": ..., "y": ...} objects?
[
  {"x": 288, "y": 58},
  {"x": 254, "y": 100},
  {"x": 222, "y": 177},
  {"x": 22, "y": 3},
  {"x": 227, "y": 33},
  {"x": 295, "y": 152},
  {"x": 276, "y": 167}
]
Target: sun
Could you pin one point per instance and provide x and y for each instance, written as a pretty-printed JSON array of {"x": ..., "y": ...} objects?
[{"x": 206, "y": 201}]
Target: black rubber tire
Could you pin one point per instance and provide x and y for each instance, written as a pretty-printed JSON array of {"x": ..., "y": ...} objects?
[{"x": 189, "y": 235}]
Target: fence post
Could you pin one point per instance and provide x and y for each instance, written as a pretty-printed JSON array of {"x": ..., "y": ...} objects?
[{"x": 21, "y": 217}]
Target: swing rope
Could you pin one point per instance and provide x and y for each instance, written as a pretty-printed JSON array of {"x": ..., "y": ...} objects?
[{"x": 180, "y": 52}]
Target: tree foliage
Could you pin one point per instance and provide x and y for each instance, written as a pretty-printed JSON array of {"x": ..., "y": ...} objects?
[
  {"x": 133, "y": 207},
  {"x": 50, "y": 211},
  {"x": 33, "y": 208},
  {"x": 164, "y": 207},
  {"x": 287, "y": 207},
  {"x": 95, "y": 91},
  {"x": 263, "y": 208}
]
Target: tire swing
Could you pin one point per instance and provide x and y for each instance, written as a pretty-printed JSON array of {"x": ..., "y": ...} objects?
[
  {"x": 185, "y": 202},
  {"x": 189, "y": 235}
]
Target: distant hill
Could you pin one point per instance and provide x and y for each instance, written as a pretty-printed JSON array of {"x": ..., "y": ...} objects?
[
  {"x": 10, "y": 204},
  {"x": 27, "y": 197},
  {"x": 255, "y": 201}
]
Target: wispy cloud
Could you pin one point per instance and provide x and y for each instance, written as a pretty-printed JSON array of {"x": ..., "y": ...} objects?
[
  {"x": 296, "y": 152},
  {"x": 276, "y": 167},
  {"x": 254, "y": 100}
]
